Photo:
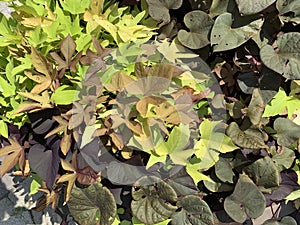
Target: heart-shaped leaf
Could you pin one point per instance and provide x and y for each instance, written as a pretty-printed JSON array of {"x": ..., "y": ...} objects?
[
  {"x": 152, "y": 199},
  {"x": 287, "y": 220},
  {"x": 159, "y": 10},
  {"x": 45, "y": 161},
  {"x": 252, "y": 7},
  {"x": 246, "y": 200},
  {"x": 245, "y": 139},
  {"x": 223, "y": 37},
  {"x": 287, "y": 131},
  {"x": 291, "y": 8},
  {"x": 194, "y": 211},
  {"x": 264, "y": 173},
  {"x": 284, "y": 158},
  {"x": 93, "y": 205},
  {"x": 223, "y": 169},
  {"x": 200, "y": 25},
  {"x": 285, "y": 59}
]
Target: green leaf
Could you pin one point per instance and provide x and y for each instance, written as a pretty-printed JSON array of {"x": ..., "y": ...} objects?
[
  {"x": 246, "y": 200},
  {"x": 256, "y": 107},
  {"x": 224, "y": 171},
  {"x": 194, "y": 211},
  {"x": 284, "y": 159},
  {"x": 152, "y": 199},
  {"x": 135, "y": 221},
  {"x": 64, "y": 95},
  {"x": 223, "y": 37},
  {"x": 245, "y": 139},
  {"x": 4, "y": 26},
  {"x": 286, "y": 58},
  {"x": 212, "y": 143},
  {"x": 252, "y": 7},
  {"x": 289, "y": 7},
  {"x": 277, "y": 105},
  {"x": 75, "y": 6},
  {"x": 218, "y": 7},
  {"x": 293, "y": 196},
  {"x": 6, "y": 88},
  {"x": 3, "y": 129},
  {"x": 35, "y": 184},
  {"x": 287, "y": 131},
  {"x": 85, "y": 204},
  {"x": 159, "y": 10},
  {"x": 287, "y": 220},
  {"x": 200, "y": 25},
  {"x": 174, "y": 146},
  {"x": 264, "y": 173}
]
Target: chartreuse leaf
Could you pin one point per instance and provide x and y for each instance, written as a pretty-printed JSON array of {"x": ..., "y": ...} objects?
[
  {"x": 212, "y": 142},
  {"x": 246, "y": 200},
  {"x": 3, "y": 129},
  {"x": 245, "y": 139},
  {"x": 281, "y": 102},
  {"x": 287, "y": 131},
  {"x": 286, "y": 58},
  {"x": 64, "y": 95},
  {"x": 194, "y": 211},
  {"x": 135, "y": 221},
  {"x": 193, "y": 169},
  {"x": 264, "y": 173},
  {"x": 152, "y": 200},
  {"x": 287, "y": 220},
  {"x": 75, "y": 6},
  {"x": 174, "y": 146},
  {"x": 200, "y": 25},
  {"x": 159, "y": 10},
  {"x": 223, "y": 37},
  {"x": 92, "y": 205},
  {"x": 252, "y": 7}
]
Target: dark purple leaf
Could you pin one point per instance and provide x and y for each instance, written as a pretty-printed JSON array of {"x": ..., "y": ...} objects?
[
  {"x": 287, "y": 185},
  {"x": 44, "y": 160}
]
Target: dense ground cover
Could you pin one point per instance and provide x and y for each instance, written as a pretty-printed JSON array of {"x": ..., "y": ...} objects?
[{"x": 154, "y": 112}]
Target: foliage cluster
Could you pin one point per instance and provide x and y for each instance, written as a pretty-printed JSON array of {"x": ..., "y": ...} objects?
[{"x": 154, "y": 112}]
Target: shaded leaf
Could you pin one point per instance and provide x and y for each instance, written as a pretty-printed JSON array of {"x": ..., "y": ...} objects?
[
  {"x": 199, "y": 24},
  {"x": 264, "y": 173},
  {"x": 284, "y": 158},
  {"x": 285, "y": 59},
  {"x": 246, "y": 200},
  {"x": 252, "y": 7},
  {"x": 86, "y": 204},
  {"x": 156, "y": 196},
  {"x": 159, "y": 10},
  {"x": 223, "y": 37},
  {"x": 244, "y": 139},
  {"x": 287, "y": 131},
  {"x": 224, "y": 170},
  {"x": 287, "y": 220},
  {"x": 182, "y": 182},
  {"x": 45, "y": 162},
  {"x": 256, "y": 107},
  {"x": 194, "y": 211}
]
